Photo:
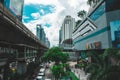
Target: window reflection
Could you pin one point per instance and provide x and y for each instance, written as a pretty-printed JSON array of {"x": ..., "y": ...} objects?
[
  {"x": 98, "y": 12},
  {"x": 115, "y": 33}
]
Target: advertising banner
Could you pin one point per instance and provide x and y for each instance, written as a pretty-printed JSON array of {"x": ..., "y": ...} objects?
[{"x": 16, "y": 6}]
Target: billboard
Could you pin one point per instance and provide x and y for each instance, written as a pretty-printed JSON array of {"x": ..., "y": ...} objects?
[
  {"x": 94, "y": 45},
  {"x": 16, "y": 6}
]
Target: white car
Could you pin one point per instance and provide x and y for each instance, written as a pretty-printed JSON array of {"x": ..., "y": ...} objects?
[
  {"x": 41, "y": 65},
  {"x": 47, "y": 79},
  {"x": 39, "y": 78},
  {"x": 41, "y": 74},
  {"x": 42, "y": 70}
]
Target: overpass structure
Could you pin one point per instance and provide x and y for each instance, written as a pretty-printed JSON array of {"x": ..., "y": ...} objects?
[{"x": 18, "y": 44}]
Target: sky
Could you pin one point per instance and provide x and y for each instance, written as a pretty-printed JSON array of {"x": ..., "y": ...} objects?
[{"x": 50, "y": 14}]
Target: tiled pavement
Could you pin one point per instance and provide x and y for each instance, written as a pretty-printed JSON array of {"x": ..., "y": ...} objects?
[{"x": 80, "y": 73}]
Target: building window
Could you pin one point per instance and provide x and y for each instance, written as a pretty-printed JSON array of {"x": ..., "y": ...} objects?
[
  {"x": 115, "y": 33},
  {"x": 112, "y": 5},
  {"x": 1, "y": 1},
  {"x": 98, "y": 12}
]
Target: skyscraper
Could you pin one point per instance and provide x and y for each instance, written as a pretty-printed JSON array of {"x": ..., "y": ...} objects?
[
  {"x": 47, "y": 42},
  {"x": 60, "y": 36},
  {"x": 40, "y": 33},
  {"x": 67, "y": 27},
  {"x": 66, "y": 31}
]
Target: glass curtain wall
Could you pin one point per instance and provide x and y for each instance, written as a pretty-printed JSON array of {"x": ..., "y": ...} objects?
[{"x": 115, "y": 33}]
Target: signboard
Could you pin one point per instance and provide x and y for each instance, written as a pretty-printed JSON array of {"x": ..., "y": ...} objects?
[
  {"x": 16, "y": 6},
  {"x": 97, "y": 45},
  {"x": 94, "y": 45}
]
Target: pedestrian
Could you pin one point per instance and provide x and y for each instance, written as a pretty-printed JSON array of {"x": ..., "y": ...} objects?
[{"x": 79, "y": 75}]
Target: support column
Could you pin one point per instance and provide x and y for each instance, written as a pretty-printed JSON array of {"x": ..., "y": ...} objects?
[{"x": 21, "y": 67}]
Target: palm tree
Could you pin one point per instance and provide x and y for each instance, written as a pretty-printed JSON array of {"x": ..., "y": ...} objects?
[
  {"x": 82, "y": 14},
  {"x": 103, "y": 69},
  {"x": 95, "y": 67},
  {"x": 90, "y": 2},
  {"x": 77, "y": 22}
]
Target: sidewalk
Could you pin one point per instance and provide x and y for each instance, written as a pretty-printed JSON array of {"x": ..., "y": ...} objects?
[{"x": 80, "y": 74}]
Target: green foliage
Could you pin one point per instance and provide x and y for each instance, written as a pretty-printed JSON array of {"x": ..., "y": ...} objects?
[
  {"x": 56, "y": 55},
  {"x": 103, "y": 68},
  {"x": 64, "y": 57},
  {"x": 90, "y": 2},
  {"x": 77, "y": 22},
  {"x": 60, "y": 58},
  {"x": 57, "y": 71},
  {"x": 73, "y": 77},
  {"x": 82, "y": 14}
]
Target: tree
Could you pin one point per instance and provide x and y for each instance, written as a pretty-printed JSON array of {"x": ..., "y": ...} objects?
[
  {"x": 60, "y": 58},
  {"x": 82, "y": 14},
  {"x": 57, "y": 71},
  {"x": 103, "y": 69},
  {"x": 77, "y": 22},
  {"x": 56, "y": 55},
  {"x": 90, "y": 2}
]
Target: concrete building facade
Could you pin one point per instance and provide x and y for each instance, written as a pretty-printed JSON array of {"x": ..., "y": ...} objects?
[
  {"x": 100, "y": 29},
  {"x": 65, "y": 37},
  {"x": 67, "y": 28}
]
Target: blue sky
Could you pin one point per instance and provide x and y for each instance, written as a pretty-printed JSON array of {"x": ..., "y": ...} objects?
[
  {"x": 34, "y": 8},
  {"x": 50, "y": 14}
]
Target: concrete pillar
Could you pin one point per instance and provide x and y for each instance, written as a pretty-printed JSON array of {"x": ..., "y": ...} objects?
[{"x": 21, "y": 67}]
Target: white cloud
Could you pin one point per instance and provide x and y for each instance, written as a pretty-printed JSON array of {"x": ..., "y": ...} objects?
[
  {"x": 25, "y": 17},
  {"x": 35, "y": 15},
  {"x": 63, "y": 8},
  {"x": 45, "y": 2},
  {"x": 42, "y": 11}
]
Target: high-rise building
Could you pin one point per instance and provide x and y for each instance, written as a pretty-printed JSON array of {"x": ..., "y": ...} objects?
[
  {"x": 47, "y": 42},
  {"x": 66, "y": 32},
  {"x": 40, "y": 33},
  {"x": 67, "y": 27},
  {"x": 60, "y": 36}
]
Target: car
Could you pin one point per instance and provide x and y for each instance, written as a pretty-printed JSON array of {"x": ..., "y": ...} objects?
[
  {"x": 47, "y": 79},
  {"x": 41, "y": 65},
  {"x": 41, "y": 74},
  {"x": 39, "y": 77},
  {"x": 42, "y": 70}
]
